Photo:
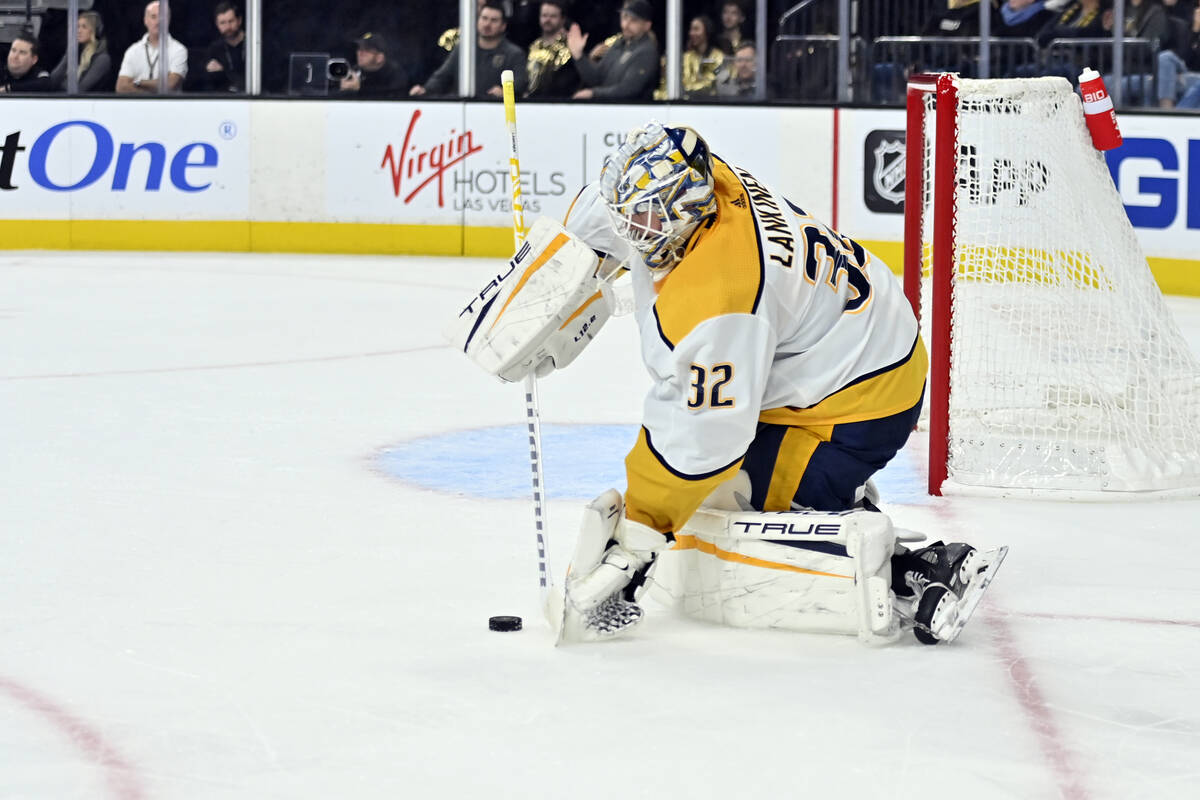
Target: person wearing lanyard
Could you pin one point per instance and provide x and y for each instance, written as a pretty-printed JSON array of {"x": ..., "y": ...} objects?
[
  {"x": 226, "y": 63},
  {"x": 140, "y": 67}
]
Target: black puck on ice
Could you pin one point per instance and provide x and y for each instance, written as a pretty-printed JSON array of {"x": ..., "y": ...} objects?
[{"x": 504, "y": 623}]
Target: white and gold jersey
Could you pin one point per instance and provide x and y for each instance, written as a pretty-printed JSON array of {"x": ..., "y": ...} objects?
[
  {"x": 588, "y": 219},
  {"x": 770, "y": 316}
]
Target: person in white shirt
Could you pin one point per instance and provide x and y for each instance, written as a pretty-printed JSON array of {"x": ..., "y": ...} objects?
[{"x": 143, "y": 60}]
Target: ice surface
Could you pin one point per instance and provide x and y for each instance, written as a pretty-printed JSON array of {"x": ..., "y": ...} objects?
[{"x": 254, "y": 515}]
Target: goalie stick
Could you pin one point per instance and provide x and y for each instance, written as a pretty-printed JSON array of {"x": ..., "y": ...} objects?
[{"x": 551, "y": 603}]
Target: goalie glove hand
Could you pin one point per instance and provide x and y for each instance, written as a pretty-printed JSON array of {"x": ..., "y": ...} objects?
[
  {"x": 541, "y": 312},
  {"x": 612, "y": 552}
]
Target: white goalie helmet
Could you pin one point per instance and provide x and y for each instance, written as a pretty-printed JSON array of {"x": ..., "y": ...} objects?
[{"x": 658, "y": 188}]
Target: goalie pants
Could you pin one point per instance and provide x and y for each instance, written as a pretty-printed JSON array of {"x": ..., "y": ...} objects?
[{"x": 821, "y": 467}]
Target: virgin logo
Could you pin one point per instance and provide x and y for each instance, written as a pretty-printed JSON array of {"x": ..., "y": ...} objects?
[{"x": 424, "y": 167}]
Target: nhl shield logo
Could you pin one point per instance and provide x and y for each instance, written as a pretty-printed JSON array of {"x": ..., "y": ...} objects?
[
  {"x": 888, "y": 175},
  {"x": 884, "y": 189}
]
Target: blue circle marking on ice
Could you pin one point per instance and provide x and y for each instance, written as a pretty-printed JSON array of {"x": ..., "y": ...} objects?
[{"x": 578, "y": 461}]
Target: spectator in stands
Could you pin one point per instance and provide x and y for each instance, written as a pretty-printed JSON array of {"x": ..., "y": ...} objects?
[
  {"x": 957, "y": 18},
  {"x": 551, "y": 71},
  {"x": 449, "y": 38},
  {"x": 95, "y": 63},
  {"x": 733, "y": 17},
  {"x": 1180, "y": 9},
  {"x": 702, "y": 61},
  {"x": 22, "y": 73},
  {"x": 1179, "y": 69},
  {"x": 1180, "y": 14},
  {"x": 376, "y": 76},
  {"x": 225, "y": 60},
  {"x": 741, "y": 81},
  {"x": 628, "y": 69},
  {"x": 1078, "y": 20},
  {"x": 599, "y": 19},
  {"x": 949, "y": 20},
  {"x": 493, "y": 55},
  {"x": 1144, "y": 19},
  {"x": 1022, "y": 19},
  {"x": 140, "y": 67},
  {"x": 524, "y": 22}
]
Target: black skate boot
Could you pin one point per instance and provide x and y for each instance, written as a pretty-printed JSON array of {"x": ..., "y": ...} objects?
[{"x": 935, "y": 578}]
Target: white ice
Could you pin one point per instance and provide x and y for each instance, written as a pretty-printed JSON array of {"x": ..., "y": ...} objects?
[{"x": 210, "y": 589}]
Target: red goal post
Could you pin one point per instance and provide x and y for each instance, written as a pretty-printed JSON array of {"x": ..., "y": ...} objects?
[{"x": 1055, "y": 367}]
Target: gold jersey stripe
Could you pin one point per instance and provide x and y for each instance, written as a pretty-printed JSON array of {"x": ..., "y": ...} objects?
[
  {"x": 795, "y": 451},
  {"x": 689, "y": 542},
  {"x": 571, "y": 207},
  {"x": 659, "y": 496},
  {"x": 898, "y": 389},
  {"x": 722, "y": 272}
]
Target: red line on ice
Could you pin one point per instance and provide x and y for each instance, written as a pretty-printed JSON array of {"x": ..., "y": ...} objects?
[
  {"x": 119, "y": 774},
  {"x": 1186, "y": 623},
  {"x": 1020, "y": 673}
]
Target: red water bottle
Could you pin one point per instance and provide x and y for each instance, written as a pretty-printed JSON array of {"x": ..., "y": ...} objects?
[{"x": 1098, "y": 111}]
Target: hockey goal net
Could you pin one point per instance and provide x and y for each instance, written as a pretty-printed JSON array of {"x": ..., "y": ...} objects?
[{"x": 1055, "y": 363}]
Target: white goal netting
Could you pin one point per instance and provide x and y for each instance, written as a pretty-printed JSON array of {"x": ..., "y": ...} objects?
[{"x": 1067, "y": 369}]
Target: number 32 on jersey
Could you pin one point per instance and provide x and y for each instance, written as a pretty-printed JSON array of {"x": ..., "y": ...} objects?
[
  {"x": 708, "y": 386},
  {"x": 837, "y": 259}
]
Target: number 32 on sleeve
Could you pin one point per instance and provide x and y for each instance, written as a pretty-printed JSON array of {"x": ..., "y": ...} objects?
[{"x": 707, "y": 384}]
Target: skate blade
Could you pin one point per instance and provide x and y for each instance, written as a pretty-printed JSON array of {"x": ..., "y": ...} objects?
[{"x": 974, "y": 592}]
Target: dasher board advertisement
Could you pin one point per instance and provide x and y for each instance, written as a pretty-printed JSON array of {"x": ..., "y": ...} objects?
[
  {"x": 78, "y": 159},
  {"x": 448, "y": 164}
]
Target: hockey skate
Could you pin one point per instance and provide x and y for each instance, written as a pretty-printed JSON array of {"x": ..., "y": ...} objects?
[{"x": 939, "y": 587}]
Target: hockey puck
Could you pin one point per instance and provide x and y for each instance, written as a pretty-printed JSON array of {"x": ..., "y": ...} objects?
[{"x": 504, "y": 623}]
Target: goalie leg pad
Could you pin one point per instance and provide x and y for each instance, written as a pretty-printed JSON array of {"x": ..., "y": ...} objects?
[{"x": 800, "y": 570}]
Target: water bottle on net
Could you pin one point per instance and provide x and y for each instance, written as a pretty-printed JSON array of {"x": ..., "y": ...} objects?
[{"x": 1098, "y": 111}]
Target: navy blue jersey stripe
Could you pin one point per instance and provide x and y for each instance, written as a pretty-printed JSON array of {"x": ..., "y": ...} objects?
[
  {"x": 867, "y": 376},
  {"x": 888, "y": 368},
  {"x": 683, "y": 475},
  {"x": 661, "y": 334},
  {"x": 762, "y": 256}
]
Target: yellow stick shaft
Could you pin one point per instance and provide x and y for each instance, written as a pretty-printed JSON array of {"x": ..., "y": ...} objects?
[{"x": 514, "y": 160}]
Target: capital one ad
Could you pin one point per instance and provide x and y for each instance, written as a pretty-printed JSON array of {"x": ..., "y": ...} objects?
[{"x": 124, "y": 160}]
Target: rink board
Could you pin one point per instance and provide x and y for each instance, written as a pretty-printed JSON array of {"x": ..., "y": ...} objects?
[{"x": 432, "y": 177}]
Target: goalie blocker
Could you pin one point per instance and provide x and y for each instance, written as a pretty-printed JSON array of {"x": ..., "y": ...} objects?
[{"x": 540, "y": 313}]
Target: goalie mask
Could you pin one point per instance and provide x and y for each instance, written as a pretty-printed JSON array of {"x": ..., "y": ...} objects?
[{"x": 658, "y": 188}]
